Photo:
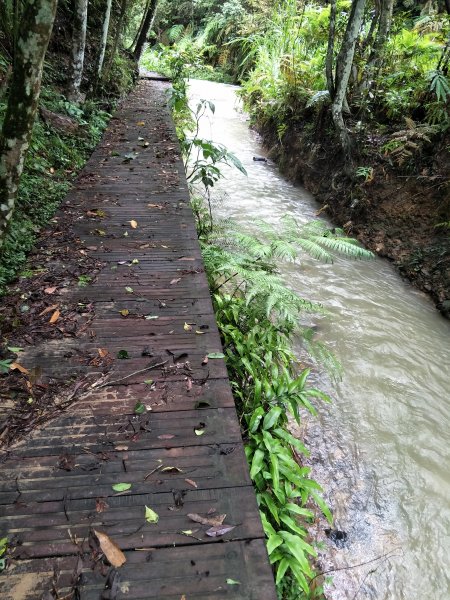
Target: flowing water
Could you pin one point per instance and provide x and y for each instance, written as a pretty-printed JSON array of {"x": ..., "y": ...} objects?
[{"x": 381, "y": 449}]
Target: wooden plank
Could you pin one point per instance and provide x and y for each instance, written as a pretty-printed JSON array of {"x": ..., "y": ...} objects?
[{"x": 193, "y": 572}]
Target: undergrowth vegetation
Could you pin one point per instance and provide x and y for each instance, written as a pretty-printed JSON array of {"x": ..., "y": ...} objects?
[
  {"x": 278, "y": 52},
  {"x": 259, "y": 317},
  {"x": 56, "y": 154}
]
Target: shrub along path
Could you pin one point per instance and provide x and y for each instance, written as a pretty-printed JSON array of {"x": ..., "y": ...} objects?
[{"x": 123, "y": 363}]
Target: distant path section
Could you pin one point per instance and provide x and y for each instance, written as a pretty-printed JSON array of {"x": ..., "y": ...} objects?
[{"x": 142, "y": 406}]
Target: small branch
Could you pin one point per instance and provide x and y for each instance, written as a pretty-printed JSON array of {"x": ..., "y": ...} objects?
[
  {"x": 116, "y": 381},
  {"x": 367, "y": 562}
]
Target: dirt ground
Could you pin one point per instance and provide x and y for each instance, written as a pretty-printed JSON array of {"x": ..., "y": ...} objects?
[{"x": 395, "y": 210}]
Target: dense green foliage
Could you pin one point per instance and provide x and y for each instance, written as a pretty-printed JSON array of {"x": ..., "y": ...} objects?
[
  {"x": 278, "y": 51},
  {"x": 57, "y": 151}
]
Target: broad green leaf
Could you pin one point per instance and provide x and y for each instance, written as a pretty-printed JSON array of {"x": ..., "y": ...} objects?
[
  {"x": 121, "y": 487},
  {"x": 272, "y": 417},
  {"x": 150, "y": 515},
  {"x": 257, "y": 463},
  {"x": 273, "y": 542},
  {"x": 233, "y": 582},
  {"x": 216, "y": 355}
]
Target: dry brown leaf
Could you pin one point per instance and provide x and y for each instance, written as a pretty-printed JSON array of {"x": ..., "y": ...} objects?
[
  {"x": 133, "y": 223},
  {"x": 110, "y": 549},
  {"x": 211, "y": 521},
  {"x": 55, "y": 316},
  {"x": 47, "y": 310},
  {"x": 50, "y": 290},
  {"x": 191, "y": 482},
  {"x": 15, "y": 365},
  {"x": 102, "y": 352},
  {"x": 219, "y": 530},
  {"x": 101, "y": 505}
]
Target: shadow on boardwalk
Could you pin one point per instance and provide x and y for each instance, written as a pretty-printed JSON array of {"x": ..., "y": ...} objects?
[{"x": 145, "y": 409}]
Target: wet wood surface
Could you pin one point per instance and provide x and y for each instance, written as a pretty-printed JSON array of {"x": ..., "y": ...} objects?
[{"x": 161, "y": 418}]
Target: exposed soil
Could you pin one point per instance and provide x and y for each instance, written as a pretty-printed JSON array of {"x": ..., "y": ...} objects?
[{"x": 394, "y": 210}]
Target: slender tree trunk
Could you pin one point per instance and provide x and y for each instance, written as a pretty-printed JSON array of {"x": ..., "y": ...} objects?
[
  {"x": 138, "y": 32},
  {"x": 35, "y": 30},
  {"x": 78, "y": 46},
  {"x": 104, "y": 39},
  {"x": 330, "y": 49},
  {"x": 115, "y": 44},
  {"x": 148, "y": 21},
  {"x": 343, "y": 69},
  {"x": 384, "y": 27}
]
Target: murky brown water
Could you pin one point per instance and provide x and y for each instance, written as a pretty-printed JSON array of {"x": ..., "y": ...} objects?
[{"x": 381, "y": 450}]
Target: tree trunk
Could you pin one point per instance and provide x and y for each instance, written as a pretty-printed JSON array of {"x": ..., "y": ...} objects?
[
  {"x": 115, "y": 44},
  {"x": 384, "y": 26},
  {"x": 343, "y": 69},
  {"x": 146, "y": 25},
  {"x": 138, "y": 32},
  {"x": 35, "y": 30},
  {"x": 78, "y": 46},
  {"x": 330, "y": 49},
  {"x": 104, "y": 39}
]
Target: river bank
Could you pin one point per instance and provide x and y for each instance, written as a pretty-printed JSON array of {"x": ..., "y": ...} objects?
[{"x": 395, "y": 213}]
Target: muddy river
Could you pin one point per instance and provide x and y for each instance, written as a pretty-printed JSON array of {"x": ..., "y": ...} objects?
[{"x": 381, "y": 449}]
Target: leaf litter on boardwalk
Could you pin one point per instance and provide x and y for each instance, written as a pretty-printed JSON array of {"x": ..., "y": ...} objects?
[{"x": 110, "y": 549}]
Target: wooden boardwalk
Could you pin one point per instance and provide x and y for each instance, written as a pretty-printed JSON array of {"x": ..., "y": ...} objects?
[{"x": 170, "y": 429}]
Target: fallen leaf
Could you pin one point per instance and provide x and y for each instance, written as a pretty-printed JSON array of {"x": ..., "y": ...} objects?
[
  {"x": 151, "y": 317},
  {"x": 47, "y": 310},
  {"x": 205, "y": 361},
  {"x": 219, "y": 530},
  {"x": 101, "y": 505},
  {"x": 102, "y": 352},
  {"x": 50, "y": 290},
  {"x": 202, "y": 404},
  {"x": 171, "y": 470},
  {"x": 133, "y": 223},
  {"x": 129, "y": 289},
  {"x": 139, "y": 408},
  {"x": 199, "y": 332},
  {"x": 122, "y": 354},
  {"x": 110, "y": 549},
  {"x": 175, "y": 281},
  {"x": 233, "y": 582},
  {"x": 199, "y": 431},
  {"x": 120, "y": 448},
  {"x": 124, "y": 312},
  {"x": 150, "y": 515},
  {"x": 15, "y": 365},
  {"x": 135, "y": 261},
  {"x": 212, "y": 521},
  {"x": 191, "y": 482},
  {"x": 187, "y": 327},
  {"x": 121, "y": 487},
  {"x": 140, "y": 123},
  {"x": 215, "y": 355},
  {"x": 165, "y": 436},
  {"x": 55, "y": 316}
]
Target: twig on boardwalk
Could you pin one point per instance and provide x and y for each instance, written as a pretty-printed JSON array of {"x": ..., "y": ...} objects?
[{"x": 116, "y": 381}]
